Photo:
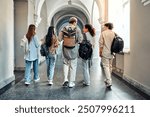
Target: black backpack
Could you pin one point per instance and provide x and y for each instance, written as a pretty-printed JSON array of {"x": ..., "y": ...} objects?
[
  {"x": 85, "y": 49},
  {"x": 44, "y": 50},
  {"x": 117, "y": 44}
]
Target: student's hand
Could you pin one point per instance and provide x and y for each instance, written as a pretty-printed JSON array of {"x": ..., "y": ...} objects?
[
  {"x": 100, "y": 52},
  {"x": 93, "y": 46}
]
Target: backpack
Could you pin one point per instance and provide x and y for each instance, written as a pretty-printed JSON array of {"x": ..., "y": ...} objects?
[
  {"x": 69, "y": 37},
  {"x": 117, "y": 44},
  {"x": 44, "y": 50},
  {"x": 85, "y": 49}
]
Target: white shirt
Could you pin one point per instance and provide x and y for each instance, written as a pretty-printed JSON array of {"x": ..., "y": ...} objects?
[
  {"x": 90, "y": 38},
  {"x": 31, "y": 50},
  {"x": 105, "y": 41}
]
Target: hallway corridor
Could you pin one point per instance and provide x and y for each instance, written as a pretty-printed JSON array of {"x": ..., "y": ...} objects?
[
  {"x": 131, "y": 22},
  {"x": 96, "y": 91}
]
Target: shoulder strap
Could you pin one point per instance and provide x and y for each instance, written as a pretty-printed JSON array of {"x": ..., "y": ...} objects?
[
  {"x": 115, "y": 34},
  {"x": 85, "y": 37}
]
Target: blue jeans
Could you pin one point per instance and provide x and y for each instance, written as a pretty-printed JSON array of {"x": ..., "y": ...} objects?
[
  {"x": 28, "y": 70},
  {"x": 86, "y": 74},
  {"x": 50, "y": 60}
]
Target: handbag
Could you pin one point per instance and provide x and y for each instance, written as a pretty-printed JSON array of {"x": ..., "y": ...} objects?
[{"x": 44, "y": 50}]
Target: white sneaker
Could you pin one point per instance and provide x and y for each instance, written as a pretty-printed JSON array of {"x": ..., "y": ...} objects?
[
  {"x": 27, "y": 83},
  {"x": 37, "y": 80},
  {"x": 50, "y": 82},
  {"x": 71, "y": 84},
  {"x": 86, "y": 84}
]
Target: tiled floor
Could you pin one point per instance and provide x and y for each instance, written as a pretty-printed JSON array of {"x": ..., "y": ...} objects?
[{"x": 96, "y": 91}]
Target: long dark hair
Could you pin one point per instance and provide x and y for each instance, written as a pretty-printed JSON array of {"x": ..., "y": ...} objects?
[
  {"x": 31, "y": 32},
  {"x": 49, "y": 36},
  {"x": 90, "y": 29}
]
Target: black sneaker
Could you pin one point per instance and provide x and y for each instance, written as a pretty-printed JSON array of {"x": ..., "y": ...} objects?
[
  {"x": 65, "y": 84},
  {"x": 109, "y": 87}
]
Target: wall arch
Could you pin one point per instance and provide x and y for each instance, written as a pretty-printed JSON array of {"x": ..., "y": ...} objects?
[
  {"x": 63, "y": 16},
  {"x": 51, "y": 15}
]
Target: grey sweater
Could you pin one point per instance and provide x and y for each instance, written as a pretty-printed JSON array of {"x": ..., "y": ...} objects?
[{"x": 71, "y": 54}]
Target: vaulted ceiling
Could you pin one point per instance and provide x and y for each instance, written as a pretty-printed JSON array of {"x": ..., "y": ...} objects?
[{"x": 59, "y": 11}]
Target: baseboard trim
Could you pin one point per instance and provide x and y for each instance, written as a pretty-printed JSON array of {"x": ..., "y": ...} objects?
[
  {"x": 19, "y": 69},
  {"x": 7, "y": 81},
  {"x": 136, "y": 84},
  {"x": 6, "y": 84}
]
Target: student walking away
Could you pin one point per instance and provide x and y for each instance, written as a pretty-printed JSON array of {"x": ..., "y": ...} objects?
[
  {"x": 105, "y": 42},
  {"x": 31, "y": 48},
  {"x": 85, "y": 51},
  {"x": 71, "y": 36},
  {"x": 51, "y": 43}
]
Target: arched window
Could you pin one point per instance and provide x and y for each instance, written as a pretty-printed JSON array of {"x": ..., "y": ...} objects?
[
  {"x": 119, "y": 15},
  {"x": 126, "y": 23}
]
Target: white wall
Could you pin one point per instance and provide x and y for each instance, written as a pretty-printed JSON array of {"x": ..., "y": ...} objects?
[
  {"x": 24, "y": 16},
  {"x": 21, "y": 22},
  {"x": 137, "y": 65},
  {"x": 31, "y": 12},
  {"x": 6, "y": 42},
  {"x": 119, "y": 15}
]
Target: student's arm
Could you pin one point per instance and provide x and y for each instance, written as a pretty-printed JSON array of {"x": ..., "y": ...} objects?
[
  {"x": 37, "y": 44},
  {"x": 79, "y": 36},
  {"x": 60, "y": 37},
  {"x": 101, "y": 45}
]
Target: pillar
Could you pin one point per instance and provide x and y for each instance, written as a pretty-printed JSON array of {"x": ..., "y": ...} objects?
[{"x": 6, "y": 42}]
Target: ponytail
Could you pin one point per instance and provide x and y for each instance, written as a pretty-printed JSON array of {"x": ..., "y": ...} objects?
[{"x": 90, "y": 29}]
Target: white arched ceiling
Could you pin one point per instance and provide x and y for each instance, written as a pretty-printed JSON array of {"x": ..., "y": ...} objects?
[
  {"x": 98, "y": 3},
  {"x": 54, "y": 6},
  {"x": 38, "y": 7},
  {"x": 60, "y": 18},
  {"x": 90, "y": 6},
  {"x": 145, "y": 2},
  {"x": 61, "y": 4},
  {"x": 67, "y": 16}
]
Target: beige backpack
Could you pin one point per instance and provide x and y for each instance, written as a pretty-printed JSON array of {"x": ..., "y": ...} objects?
[{"x": 69, "y": 37}]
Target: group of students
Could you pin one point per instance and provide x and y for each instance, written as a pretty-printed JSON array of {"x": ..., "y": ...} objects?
[{"x": 31, "y": 53}]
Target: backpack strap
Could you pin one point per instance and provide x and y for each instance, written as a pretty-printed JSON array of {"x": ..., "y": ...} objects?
[
  {"x": 85, "y": 37},
  {"x": 115, "y": 34},
  {"x": 114, "y": 55}
]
